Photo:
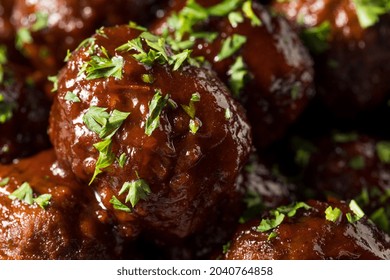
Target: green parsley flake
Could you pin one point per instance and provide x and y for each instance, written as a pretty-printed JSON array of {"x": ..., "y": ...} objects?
[
  {"x": 72, "y": 97},
  {"x": 369, "y": 11},
  {"x": 23, "y": 193},
  {"x": 156, "y": 105},
  {"x": 272, "y": 235},
  {"x": 41, "y": 21},
  {"x": 383, "y": 151},
  {"x": 332, "y": 215},
  {"x": 134, "y": 25},
  {"x": 235, "y": 18},
  {"x": 23, "y": 36},
  {"x": 381, "y": 219},
  {"x": 5, "y": 110},
  {"x": 230, "y": 46},
  {"x": 148, "y": 78},
  {"x": 43, "y": 200},
  {"x": 250, "y": 14},
  {"x": 136, "y": 190},
  {"x": 190, "y": 109},
  {"x": 122, "y": 160},
  {"x": 357, "y": 162},
  {"x": 226, "y": 247},
  {"x": 3, "y": 61},
  {"x": 357, "y": 212},
  {"x": 317, "y": 38},
  {"x": 106, "y": 157},
  {"x": 103, "y": 67},
  {"x": 238, "y": 74},
  {"x": 4, "y": 182},
  {"x": 54, "y": 80},
  {"x": 119, "y": 205},
  {"x": 339, "y": 137},
  {"x": 194, "y": 125}
]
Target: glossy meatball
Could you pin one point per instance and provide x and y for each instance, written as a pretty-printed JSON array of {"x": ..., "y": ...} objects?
[
  {"x": 166, "y": 144},
  {"x": 309, "y": 235},
  {"x": 260, "y": 57},
  {"x": 24, "y": 112},
  {"x": 352, "y": 166},
  {"x": 70, "y": 226},
  {"x": 48, "y": 28},
  {"x": 351, "y": 55}
]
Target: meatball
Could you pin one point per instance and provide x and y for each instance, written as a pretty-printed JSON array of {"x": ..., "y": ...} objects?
[
  {"x": 258, "y": 55},
  {"x": 317, "y": 230},
  {"x": 46, "y": 29},
  {"x": 161, "y": 141},
  {"x": 67, "y": 225},
  {"x": 24, "y": 113},
  {"x": 351, "y": 55},
  {"x": 352, "y": 166}
]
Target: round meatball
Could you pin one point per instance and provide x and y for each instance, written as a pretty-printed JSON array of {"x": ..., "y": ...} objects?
[
  {"x": 24, "y": 113},
  {"x": 349, "y": 166},
  {"x": 67, "y": 225},
  {"x": 162, "y": 144},
  {"x": 352, "y": 57},
  {"x": 311, "y": 234},
  {"x": 48, "y": 28},
  {"x": 259, "y": 56}
]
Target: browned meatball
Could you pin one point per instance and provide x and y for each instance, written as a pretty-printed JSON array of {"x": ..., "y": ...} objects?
[
  {"x": 46, "y": 29},
  {"x": 349, "y": 166},
  {"x": 178, "y": 146},
  {"x": 311, "y": 234},
  {"x": 270, "y": 72},
  {"x": 352, "y": 62},
  {"x": 70, "y": 226},
  {"x": 24, "y": 113}
]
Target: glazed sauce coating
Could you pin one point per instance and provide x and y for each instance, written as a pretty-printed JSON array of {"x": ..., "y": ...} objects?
[
  {"x": 281, "y": 82},
  {"x": 309, "y": 236},
  {"x": 342, "y": 81},
  {"x": 191, "y": 175},
  {"x": 72, "y": 226}
]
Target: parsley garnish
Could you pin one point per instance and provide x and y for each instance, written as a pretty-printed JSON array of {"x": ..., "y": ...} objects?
[
  {"x": 136, "y": 190},
  {"x": 226, "y": 247},
  {"x": 250, "y": 14},
  {"x": 194, "y": 125},
  {"x": 380, "y": 218},
  {"x": 235, "y": 18},
  {"x": 23, "y": 36},
  {"x": 357, "y": 212},
  {"x": 122, "y": 160},
  {"x": 54, "y": 80},
  {"x": 332, "y": 215},
  {"x": 278, "y": 216},
  {"x": 106, "y": 157},
  {"x": 357, "y": 162},
  {"x": 272, "y": 235},
  {"x": 135, "y": 26},
  {"x": 369, "y": 11},
  {"x": 3, "y": 61},
  {"x": 25, "y": 193},
  {"x": 190, "y": 109},
  {"x": 383, "y": 151},
  {"x": 5, "y": 110},
  {"x": 72, "y": 97},
  {"x": 103, "y": 67},
  {"x": 156, "y": 105},
  {"x": 238, "y": 73},
  {"x": 41, "y": 21},
  {"x": 317, "y": 38},
  {"x": 4, "y": 182},
  {"x": 148, "y": 78},
  {"x": 339, "y": 137},
  {"x": 119, "y": 205},
  {"x": 230, "y": 46}
]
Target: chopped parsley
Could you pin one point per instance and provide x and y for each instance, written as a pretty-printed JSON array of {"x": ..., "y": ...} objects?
[
  {"x": 383, "y": 151},
  {"x": 25, "y": 193},
  {"x": 190, "y": 109},
  {"x": 23, "y": 36},
  {"x": 235, "y": 18},
  {"x": 3, "y": 61},
  {"x": 317, "y": 38},
  {"x": 357, "y": 162},
  {"x": 369, "y": 11},
  {"x": 103, "y": 67},
  {"x": 250, "y": 14},
  {"x": 230, "y": 46},
  {"x": 226, "y": 247},
  {"x": 106, "y": 157},
  {"x": 254, "y": 206},
  {"x": 4, "y": 182},
  {"x": 122, "y": 160},
  {"x": 333, "y": 215},
  {"x": 5, "y": 110},
  {"x": 238, "y": 74},
  {"x": 119, "y": 205},
  {"x": 357, "y": 212},
  {"x": 41, "y": 21},
  {"x": 381, "y": 219},
  {"x": 148, "y": 78},
  {"x": 72, "y": 97},
  {"x": 54, "y": 80},
  {"x": 194, "y": 125},
  {"x": 136, "y": 190},
  {"x": 303, "y": 150},
  {"x": 156, "y": 105},
  {"x": 272, "y": 235},
  {"x": 340, "y": 137},
  {"x": 278, "y": 216}
]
